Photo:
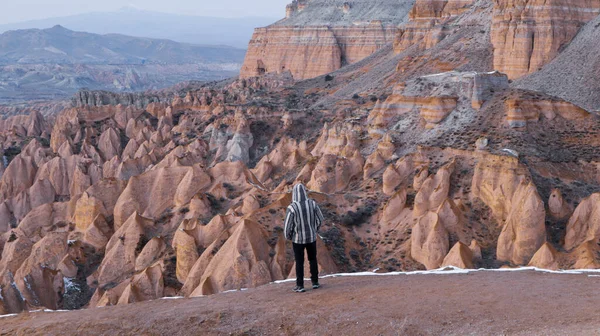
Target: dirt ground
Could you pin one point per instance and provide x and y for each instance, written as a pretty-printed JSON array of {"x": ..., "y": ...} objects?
[{"x": 482, "y": 303}]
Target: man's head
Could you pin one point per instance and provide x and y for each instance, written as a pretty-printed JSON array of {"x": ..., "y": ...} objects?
[{"x": 299, "y": 193}]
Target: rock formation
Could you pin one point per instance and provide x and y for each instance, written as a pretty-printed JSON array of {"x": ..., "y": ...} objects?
[
  {"x": 318, "y": 37},
  {"x": 584, "y": 225},
  {"x": 459, "y": 256},
  {"x": 546, "y": 258},
  {"x": 426, "y": 23},
  {"x": 528, "y": 34},
  {"x": 521, "y": 111}
]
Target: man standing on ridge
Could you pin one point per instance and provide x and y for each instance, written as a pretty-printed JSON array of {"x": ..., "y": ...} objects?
[{"x": 302, "y": 222}]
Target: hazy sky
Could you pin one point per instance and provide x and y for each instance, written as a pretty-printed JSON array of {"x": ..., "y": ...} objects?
[{"x": 22, "y": 10}]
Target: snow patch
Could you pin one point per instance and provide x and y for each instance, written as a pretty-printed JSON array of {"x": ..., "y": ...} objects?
[
  {"x": 55, "y": 50},
  {"x": 14, "y": 285},
  {"x": 69, "y": 284},
  {"x": 235, "y": 290},
  {"x": 511, "y": 152},
  {"x": 453, "y": 270},
  {"x": 172, "y": 297}
]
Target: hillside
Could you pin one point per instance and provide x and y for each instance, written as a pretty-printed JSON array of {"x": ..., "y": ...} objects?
[
  {"x": 54, "y": 63},
  {"x": 58, "y": 45},
  {"x": 130, "y": 21}
]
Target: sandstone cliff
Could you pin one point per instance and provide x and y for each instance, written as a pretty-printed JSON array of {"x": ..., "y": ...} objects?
[
  {"x": 318, "y": 37},
  {"x": 528, "y": 34}
]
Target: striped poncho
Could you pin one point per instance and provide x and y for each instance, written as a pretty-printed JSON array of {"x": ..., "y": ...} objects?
[{"x": 303, "y": 217}]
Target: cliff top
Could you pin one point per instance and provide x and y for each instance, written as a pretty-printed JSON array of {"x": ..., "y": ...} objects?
[{"x": 345, "y": 13}]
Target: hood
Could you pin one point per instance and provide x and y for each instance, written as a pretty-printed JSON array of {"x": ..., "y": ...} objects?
[{"x": 299, "y": 193}]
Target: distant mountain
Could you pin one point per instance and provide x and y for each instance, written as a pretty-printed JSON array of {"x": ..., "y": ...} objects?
[
  {"x": 59, "y": 45},
  {"x": 234, "y": 32},
  {"x": 54, "y": 63}
]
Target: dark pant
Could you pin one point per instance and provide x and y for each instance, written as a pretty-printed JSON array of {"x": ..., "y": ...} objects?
[{"x": 311, "y": 251}]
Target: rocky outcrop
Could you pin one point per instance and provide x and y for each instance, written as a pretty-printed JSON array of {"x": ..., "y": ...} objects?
[
  {"x": 558, "y": 206},
  {"x": 426, "y": 28},
  {"x": 504, "y": 186},
  {"x": 319, "y": 37},
  {"x": 305, "y": 52},
  {"x": 241, "y": 262},
  {"x": 151, "y": 193},
  {"x": 459, "y": 256},
  {"x": 429, "y": 241},
  {"x": 40, "y": 279},
  {"x": 397, "y": 174},
  {"x": 332, "y": 174},
  {"x": 528, "y": 34},
  {"x": 524, "y": 231},
  {"x": 584, "y": 225},
  {"x": 546, "y": 258},
  {"x": 434, "y": 97},
  {"x": 520, "y": 111}
]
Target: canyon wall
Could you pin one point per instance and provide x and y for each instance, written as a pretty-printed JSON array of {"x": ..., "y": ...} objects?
[
  {"x": 426, "y": 23},
  {"x": 528, "y": 34},
  {"x": 320, "y": 37}
]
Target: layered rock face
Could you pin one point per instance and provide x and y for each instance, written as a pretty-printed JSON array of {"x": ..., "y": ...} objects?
[
  {"x": 521, "y": 110},
  {"x": 528, "y": 34},
  {"x": 426, "y": 26},
  {"x": 573, "y": 74},
  {"x": 318, "y": 37},
  {"x": 436, "y": 96}
]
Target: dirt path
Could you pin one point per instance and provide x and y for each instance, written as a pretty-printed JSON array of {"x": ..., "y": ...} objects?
[{"x": 482, "y": 303}]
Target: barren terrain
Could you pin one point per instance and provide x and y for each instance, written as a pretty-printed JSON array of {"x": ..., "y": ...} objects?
[{"x": 481, "y": 303}]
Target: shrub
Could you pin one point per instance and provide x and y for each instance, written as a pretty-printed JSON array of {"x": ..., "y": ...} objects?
[{"x": 12, "y": 237}]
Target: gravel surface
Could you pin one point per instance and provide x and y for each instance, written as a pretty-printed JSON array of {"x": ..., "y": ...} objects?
[{"x": 481, "y": 303}]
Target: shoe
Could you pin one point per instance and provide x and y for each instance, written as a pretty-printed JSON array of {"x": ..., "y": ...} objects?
[
  {"x": 298, "y": 289},
  {"x": 316, "y": 285}
]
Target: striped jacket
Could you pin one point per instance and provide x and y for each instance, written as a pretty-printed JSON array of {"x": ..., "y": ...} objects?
[{"x": 303, "y": 217}]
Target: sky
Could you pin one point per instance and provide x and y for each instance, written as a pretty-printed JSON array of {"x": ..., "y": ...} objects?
[{"x": 23, "y": 10}]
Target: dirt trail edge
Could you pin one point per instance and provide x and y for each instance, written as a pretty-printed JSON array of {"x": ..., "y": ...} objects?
[{"x": 482, "y": 303}]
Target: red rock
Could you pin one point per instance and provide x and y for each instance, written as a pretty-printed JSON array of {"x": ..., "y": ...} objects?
[
  {"x": 545, "y": 258},
  {"x": 584, "y": 225},
  {"x": 429, "y": 241},
  {"x": 459, "y": 256},
  {"x": 528, "y": 34},
  {"x": 241, "y": 262}
]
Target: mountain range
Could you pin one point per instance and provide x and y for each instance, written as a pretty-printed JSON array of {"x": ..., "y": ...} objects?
[
  {"x": 59, "y": 45},
  {"x": 54, "y": 63},
  {"x": 234, "y": 32}
]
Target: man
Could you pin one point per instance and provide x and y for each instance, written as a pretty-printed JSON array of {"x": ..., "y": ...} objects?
[{"x": 302, "y": 222}]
